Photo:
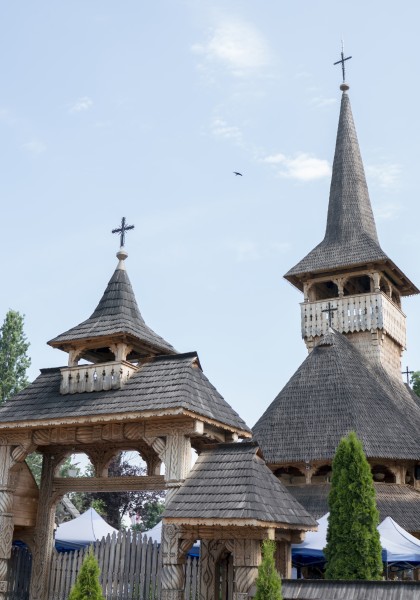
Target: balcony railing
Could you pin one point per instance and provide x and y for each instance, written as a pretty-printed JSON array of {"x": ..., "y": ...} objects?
[
  {"x": 363, "y": 312},
  {"x": 95, "y": 378}
]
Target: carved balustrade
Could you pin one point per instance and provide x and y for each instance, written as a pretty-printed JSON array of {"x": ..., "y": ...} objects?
[
  {"x": 362, "y": 312},
  {"x": 95, "y": 378}
]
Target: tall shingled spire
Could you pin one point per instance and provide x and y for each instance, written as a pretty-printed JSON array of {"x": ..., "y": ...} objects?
[{"x": 350, "y": 238}]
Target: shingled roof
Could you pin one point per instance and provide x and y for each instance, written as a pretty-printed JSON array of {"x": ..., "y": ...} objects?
[
  {"x": 401, "y": 502},
  {"x": 335, "y": 391},
  {"x": 162, "y": 385},
  {"x": 116, "y": 313},
  {"x": 350, "y": 238},
  {"x": 230, "y": 482}
]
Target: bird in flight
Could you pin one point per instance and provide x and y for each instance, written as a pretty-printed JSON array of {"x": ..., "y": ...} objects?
[{"x": 237, "y": 173}]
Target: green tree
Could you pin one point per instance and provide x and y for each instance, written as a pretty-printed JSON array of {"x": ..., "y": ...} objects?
[
  {"x": 415, "y": 382},
  {"x": 14, "y": 360},
  {"x": 353, "y": 548},
  {"x": 114, "y": 506},
  {"x": 268, "y": 581},
  {"x": 87, "y": 586}
]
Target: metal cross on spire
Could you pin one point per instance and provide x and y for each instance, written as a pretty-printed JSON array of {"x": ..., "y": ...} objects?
[
  {"x": 121, "y": 230},
  {"x": 407, "y": 373},
  {"x": 342, "y": 61},
  {"x": 330, "y": 311}
]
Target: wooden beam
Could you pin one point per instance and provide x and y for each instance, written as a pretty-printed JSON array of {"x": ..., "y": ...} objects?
[{"x": 63, "y": 485}]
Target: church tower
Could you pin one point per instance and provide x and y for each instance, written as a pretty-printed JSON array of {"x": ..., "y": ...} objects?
[
  {"x": 348, "y": 281},
  {"x": 354, "y": 329}
]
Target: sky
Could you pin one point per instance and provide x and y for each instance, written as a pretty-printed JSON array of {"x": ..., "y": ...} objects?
[{"x": 144, "y": 110}]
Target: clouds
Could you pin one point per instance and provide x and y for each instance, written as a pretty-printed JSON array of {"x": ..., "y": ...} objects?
[
  {"x": 385, "y": 175},
  {"x": 81, "y": 105},
  {"x": 302, "y": 167},
  {"x": 237, "y": 46},
  {"x": 221, "y": 129}
]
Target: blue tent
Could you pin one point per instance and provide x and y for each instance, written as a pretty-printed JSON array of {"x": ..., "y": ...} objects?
[{"x": 398, "y": 546}]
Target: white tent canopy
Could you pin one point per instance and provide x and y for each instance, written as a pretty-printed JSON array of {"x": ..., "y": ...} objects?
[
  {"x": 86, "y": 529},
  {"x": 397, "y": 544}
]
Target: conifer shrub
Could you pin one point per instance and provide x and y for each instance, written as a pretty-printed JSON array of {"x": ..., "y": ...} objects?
[
  {"x": 268, "y": 581},
  {"x": 87, "y": 586},
  {"x": 353, "y": 548}
]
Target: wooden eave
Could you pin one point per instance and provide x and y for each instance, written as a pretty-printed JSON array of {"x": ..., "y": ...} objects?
[
  {"x": 123, "y": 417},
  {"x": 92, "y": 343},
  {"x": 403, "y": 284},
  {"x": 236, "y": 523}
]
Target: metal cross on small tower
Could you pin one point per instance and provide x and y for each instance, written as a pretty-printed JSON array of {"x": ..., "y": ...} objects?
[
  {"x": 342, "y": 61},
  {"x": 330, "y": 311},
  {"x": 121, "y": 230},
  {"x": 407, "y": 373}
]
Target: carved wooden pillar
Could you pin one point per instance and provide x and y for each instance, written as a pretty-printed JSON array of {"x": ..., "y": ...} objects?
[
  {"x": 210, "y": 551},
  {"x": 177, "y": 459},
  {"x": 173, "y": 563},
  {"x": 284, "y": 558},
  {"x": 246, "y": 558},
  {"x": 6, "y": 516},
  {"x": 44, "y": 531}
]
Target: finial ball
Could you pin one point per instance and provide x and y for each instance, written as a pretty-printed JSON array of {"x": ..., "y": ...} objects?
[
  {"x": 122, "y": 254},
  {"x": 344, "y": 87}
]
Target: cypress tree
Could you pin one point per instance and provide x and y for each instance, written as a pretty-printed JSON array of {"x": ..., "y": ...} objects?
[
  {"x": 268, "y": 581},
  {"x": 353, "y": 548},
  {"x": 87, "y": 586},
  {"x": 14, "y": 360}
]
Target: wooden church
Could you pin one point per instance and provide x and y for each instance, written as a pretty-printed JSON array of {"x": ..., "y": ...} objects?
[
  {"x": 134, "y": 391},
  {"x": 355, "y": 331}
]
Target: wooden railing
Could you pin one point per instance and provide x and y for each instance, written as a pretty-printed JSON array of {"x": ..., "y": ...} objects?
[
  {"x": 95, "y": 378},
  {"x": 363, "y": 312}
]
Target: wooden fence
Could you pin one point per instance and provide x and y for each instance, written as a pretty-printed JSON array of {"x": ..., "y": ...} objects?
[
  {"x": 19, "y": 574},
  {"x": 130, "y": 569}
]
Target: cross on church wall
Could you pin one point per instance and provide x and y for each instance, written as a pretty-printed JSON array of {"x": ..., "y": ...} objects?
[
  {"x": 121, "y": 230},
  {"x": 407, "y": 373},
  {"x": 330, "y": 310}
]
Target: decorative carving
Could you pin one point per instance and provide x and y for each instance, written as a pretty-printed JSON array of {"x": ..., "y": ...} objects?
[
  {"x": 134, "y": 431},
  {"x": 43, "y": 543}
]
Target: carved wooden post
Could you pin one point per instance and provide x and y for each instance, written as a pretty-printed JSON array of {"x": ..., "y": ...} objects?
[
  {"x": 283, "y": 558},
  {"x": 246, "y": 559},
  {"x": 44, "y": 531},
  {"x": 173, "y": 577},
  {"x": 6, "y": 516},
  {"x": 177, "y": 459}
]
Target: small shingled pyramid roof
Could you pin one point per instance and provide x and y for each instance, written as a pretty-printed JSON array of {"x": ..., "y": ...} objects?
[
  {"x": 350, "y": 238},
  {"x": 116, "y": 314},
  {"x": 230, "y": 482},
  {"x": 335, "y": 391}
]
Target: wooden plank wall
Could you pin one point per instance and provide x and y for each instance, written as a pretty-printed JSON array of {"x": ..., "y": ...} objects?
[{"x": 130, "y": 569}]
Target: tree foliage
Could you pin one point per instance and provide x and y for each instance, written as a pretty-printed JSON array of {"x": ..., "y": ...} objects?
[
  {"x": 114, "y": 506},
  {"x": 415, "y": 382},
  {"x": 87, "y": 586},
  {"x": 268, "y": 581},
  {"x": 353, "y": 548},
  {"x": 14, "y": 360}
]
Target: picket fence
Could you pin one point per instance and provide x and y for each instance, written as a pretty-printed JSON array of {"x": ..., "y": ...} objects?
[{"x": 130, "y": 570}]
